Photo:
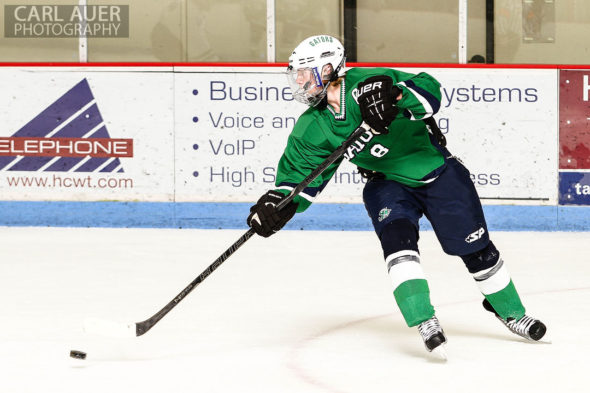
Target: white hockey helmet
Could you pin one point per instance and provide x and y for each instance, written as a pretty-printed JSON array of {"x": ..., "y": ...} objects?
[{"x": 314, "y": 63}]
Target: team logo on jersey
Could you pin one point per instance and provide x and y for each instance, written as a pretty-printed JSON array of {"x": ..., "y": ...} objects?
[
  {"x": 383, "y": 214},
  {"x": 70, "y": 135},
  {"x": 475, "y": 235}
]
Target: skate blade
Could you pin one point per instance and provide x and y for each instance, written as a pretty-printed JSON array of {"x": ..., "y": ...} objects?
[
  {"x": 440, "y": 352},
  {"x": 543, "y": 340}
]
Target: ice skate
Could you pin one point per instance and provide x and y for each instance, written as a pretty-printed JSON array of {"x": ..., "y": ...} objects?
[
  {"x": 434, "y": 337},
  {"x": 527, "y": 327}
]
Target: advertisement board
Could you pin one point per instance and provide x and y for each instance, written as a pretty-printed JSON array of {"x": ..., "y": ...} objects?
[
  {"x": 86, "y": 135},
  {"x": 231, "y": 129},
  {"x": 574, "y": 137},
  {"x": 503, "y": 124}
]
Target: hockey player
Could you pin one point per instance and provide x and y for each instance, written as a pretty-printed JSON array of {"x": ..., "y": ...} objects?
[{"x": 410, "y": 173}]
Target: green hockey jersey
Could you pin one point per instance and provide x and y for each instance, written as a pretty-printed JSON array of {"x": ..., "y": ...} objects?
[{"x": 405, "y": 154}]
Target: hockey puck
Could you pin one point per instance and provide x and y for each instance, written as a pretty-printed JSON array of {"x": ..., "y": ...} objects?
[{"x": 77, "y": 354}]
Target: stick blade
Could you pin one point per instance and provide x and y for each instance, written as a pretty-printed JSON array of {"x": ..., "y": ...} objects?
[{"x": 103, "y": 327}]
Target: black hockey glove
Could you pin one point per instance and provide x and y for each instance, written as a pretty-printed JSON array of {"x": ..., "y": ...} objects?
[
  {"x": 264, "y": 217},
  {"x": 377, "y": 102}
]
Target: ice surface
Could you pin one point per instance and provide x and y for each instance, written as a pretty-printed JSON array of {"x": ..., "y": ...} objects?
[{"x": 300, "y": 312}]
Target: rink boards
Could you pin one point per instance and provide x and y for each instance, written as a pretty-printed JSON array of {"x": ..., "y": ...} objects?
[{"x": 192, "y": 146}]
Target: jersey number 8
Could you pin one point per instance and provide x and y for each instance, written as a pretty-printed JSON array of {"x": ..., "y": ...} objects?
[{"x": 378, "y": 150}]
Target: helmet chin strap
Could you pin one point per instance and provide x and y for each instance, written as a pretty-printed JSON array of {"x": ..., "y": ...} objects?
[{"x": 334, "y": 74}]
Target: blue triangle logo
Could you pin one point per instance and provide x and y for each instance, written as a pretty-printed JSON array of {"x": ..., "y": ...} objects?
[{"x": 68, "y": 136}]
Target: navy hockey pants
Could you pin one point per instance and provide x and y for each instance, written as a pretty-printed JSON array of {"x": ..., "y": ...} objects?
[{"x": 450, "y": 203}]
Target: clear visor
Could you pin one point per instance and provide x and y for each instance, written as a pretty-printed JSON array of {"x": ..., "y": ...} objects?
[{"x": 306, "y": 85}]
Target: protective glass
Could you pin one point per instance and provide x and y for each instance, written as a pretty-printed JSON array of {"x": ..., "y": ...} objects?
[{"x": 306, "y": 85}]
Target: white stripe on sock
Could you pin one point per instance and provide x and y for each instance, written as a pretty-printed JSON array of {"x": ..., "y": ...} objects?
[
  {"x": 495, "y": 283},
  {"x": 404, "y": 271},
  {"x": 401, "y": 254}
]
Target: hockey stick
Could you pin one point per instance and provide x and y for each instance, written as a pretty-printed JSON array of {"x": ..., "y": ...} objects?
[{"x": 110, "y": 328}]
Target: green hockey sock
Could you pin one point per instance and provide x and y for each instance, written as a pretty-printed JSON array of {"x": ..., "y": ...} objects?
[
  {"x": 413, "y": 300},
  {"x": 506, "y": 302}
]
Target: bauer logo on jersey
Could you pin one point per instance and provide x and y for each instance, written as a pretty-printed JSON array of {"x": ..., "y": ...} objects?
[
  {"x": 383, "y": 214},
  {"x": 475, "y": 235},
  {"x": 68, "y": 136}
]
